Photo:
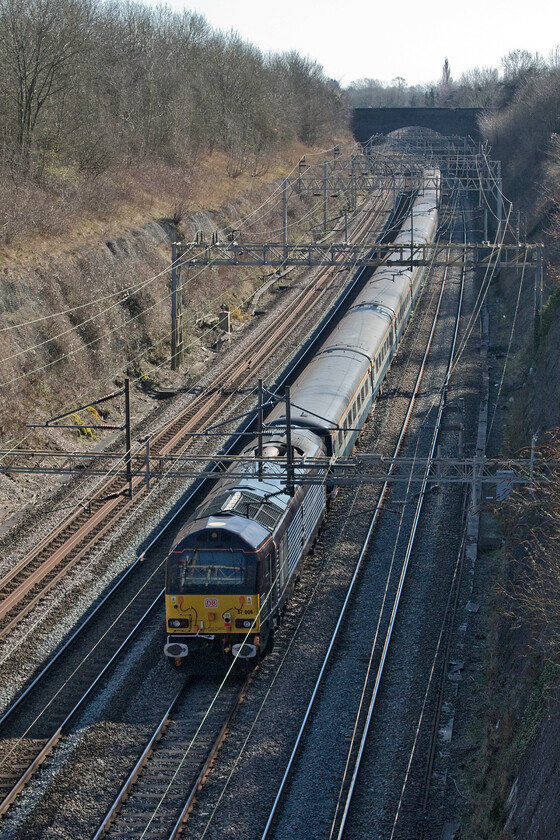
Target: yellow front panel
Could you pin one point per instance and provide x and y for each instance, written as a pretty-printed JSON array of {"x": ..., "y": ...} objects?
[{"x": 209, "y": 613}]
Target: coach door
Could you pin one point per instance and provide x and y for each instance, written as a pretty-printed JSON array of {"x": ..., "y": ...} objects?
[
  {"x": 282, "y": 564},
  {"x": 273, "y": 580}
]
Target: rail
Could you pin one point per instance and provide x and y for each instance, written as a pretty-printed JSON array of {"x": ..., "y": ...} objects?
[{"x": 166, "y": 793}]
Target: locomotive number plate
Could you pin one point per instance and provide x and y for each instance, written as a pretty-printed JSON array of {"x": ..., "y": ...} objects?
[{"x": 210, "y": 603}]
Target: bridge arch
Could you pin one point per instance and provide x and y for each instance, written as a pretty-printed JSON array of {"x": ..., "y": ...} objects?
[{"x": 461, "y": 122}]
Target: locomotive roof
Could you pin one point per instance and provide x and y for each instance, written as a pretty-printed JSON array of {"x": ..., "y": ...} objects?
[
  {"x": 252, "y": 533},
  {"x": 235, "y": 500}
]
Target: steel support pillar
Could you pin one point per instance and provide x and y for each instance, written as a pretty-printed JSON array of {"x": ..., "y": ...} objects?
[{"x": 176, "y": 311}]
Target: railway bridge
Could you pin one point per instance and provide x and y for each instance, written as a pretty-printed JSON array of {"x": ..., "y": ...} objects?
[{"x": 447, "y": 121}]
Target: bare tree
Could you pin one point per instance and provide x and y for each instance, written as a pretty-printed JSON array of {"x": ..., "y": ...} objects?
[
  {"x": 38, "y": 41},
  {"x": 479, "y": 88},
  {"x": 518, "y": 63},
  {"x": 97, "y": 83}
]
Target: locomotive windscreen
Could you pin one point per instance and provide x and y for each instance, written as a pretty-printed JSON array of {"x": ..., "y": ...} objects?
[{"x": 217, "y": 569}]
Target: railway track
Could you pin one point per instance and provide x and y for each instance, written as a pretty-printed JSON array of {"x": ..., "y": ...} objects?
[
  {"x": 26, "y": 584},
  {"x": 159, "y": 792},
  {"x": 441, "y": 654}
]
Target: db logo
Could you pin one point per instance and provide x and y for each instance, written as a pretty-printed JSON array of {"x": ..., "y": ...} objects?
[{"x": 210, "y": 603}]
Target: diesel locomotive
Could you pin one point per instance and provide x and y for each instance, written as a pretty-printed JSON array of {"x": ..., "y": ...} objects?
[{"x": 233, "y": 565}]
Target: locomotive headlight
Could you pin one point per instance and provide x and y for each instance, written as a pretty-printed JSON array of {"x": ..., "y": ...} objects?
[
  {"x": 174, "y": 622},
  {"x": 247, "y": 623}
]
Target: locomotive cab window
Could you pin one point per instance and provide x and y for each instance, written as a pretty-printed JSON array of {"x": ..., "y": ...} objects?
[{"x": 202, "y": 569}]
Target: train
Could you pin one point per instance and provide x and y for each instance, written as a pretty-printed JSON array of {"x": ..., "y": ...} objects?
[{"x": 232, "y": 567}]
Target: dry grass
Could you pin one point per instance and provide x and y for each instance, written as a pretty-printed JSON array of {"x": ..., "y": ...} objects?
[
  {"x": 38, "y": 219},
  {"x": 66, "y": 210}
]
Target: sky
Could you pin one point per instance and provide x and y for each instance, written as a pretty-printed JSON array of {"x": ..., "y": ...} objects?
[{"x": 357, "y": 39}]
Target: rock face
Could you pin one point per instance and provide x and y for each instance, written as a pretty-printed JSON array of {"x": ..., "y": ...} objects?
[
  {"x": 74, "y": 321},
  {"x": 71, "y": 320},
  {"x": 535, "y": 795},
  {"x": 69, "y": 324}
]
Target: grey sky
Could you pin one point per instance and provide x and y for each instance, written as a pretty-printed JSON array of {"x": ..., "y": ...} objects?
[{"x": 355, "y": 39}]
